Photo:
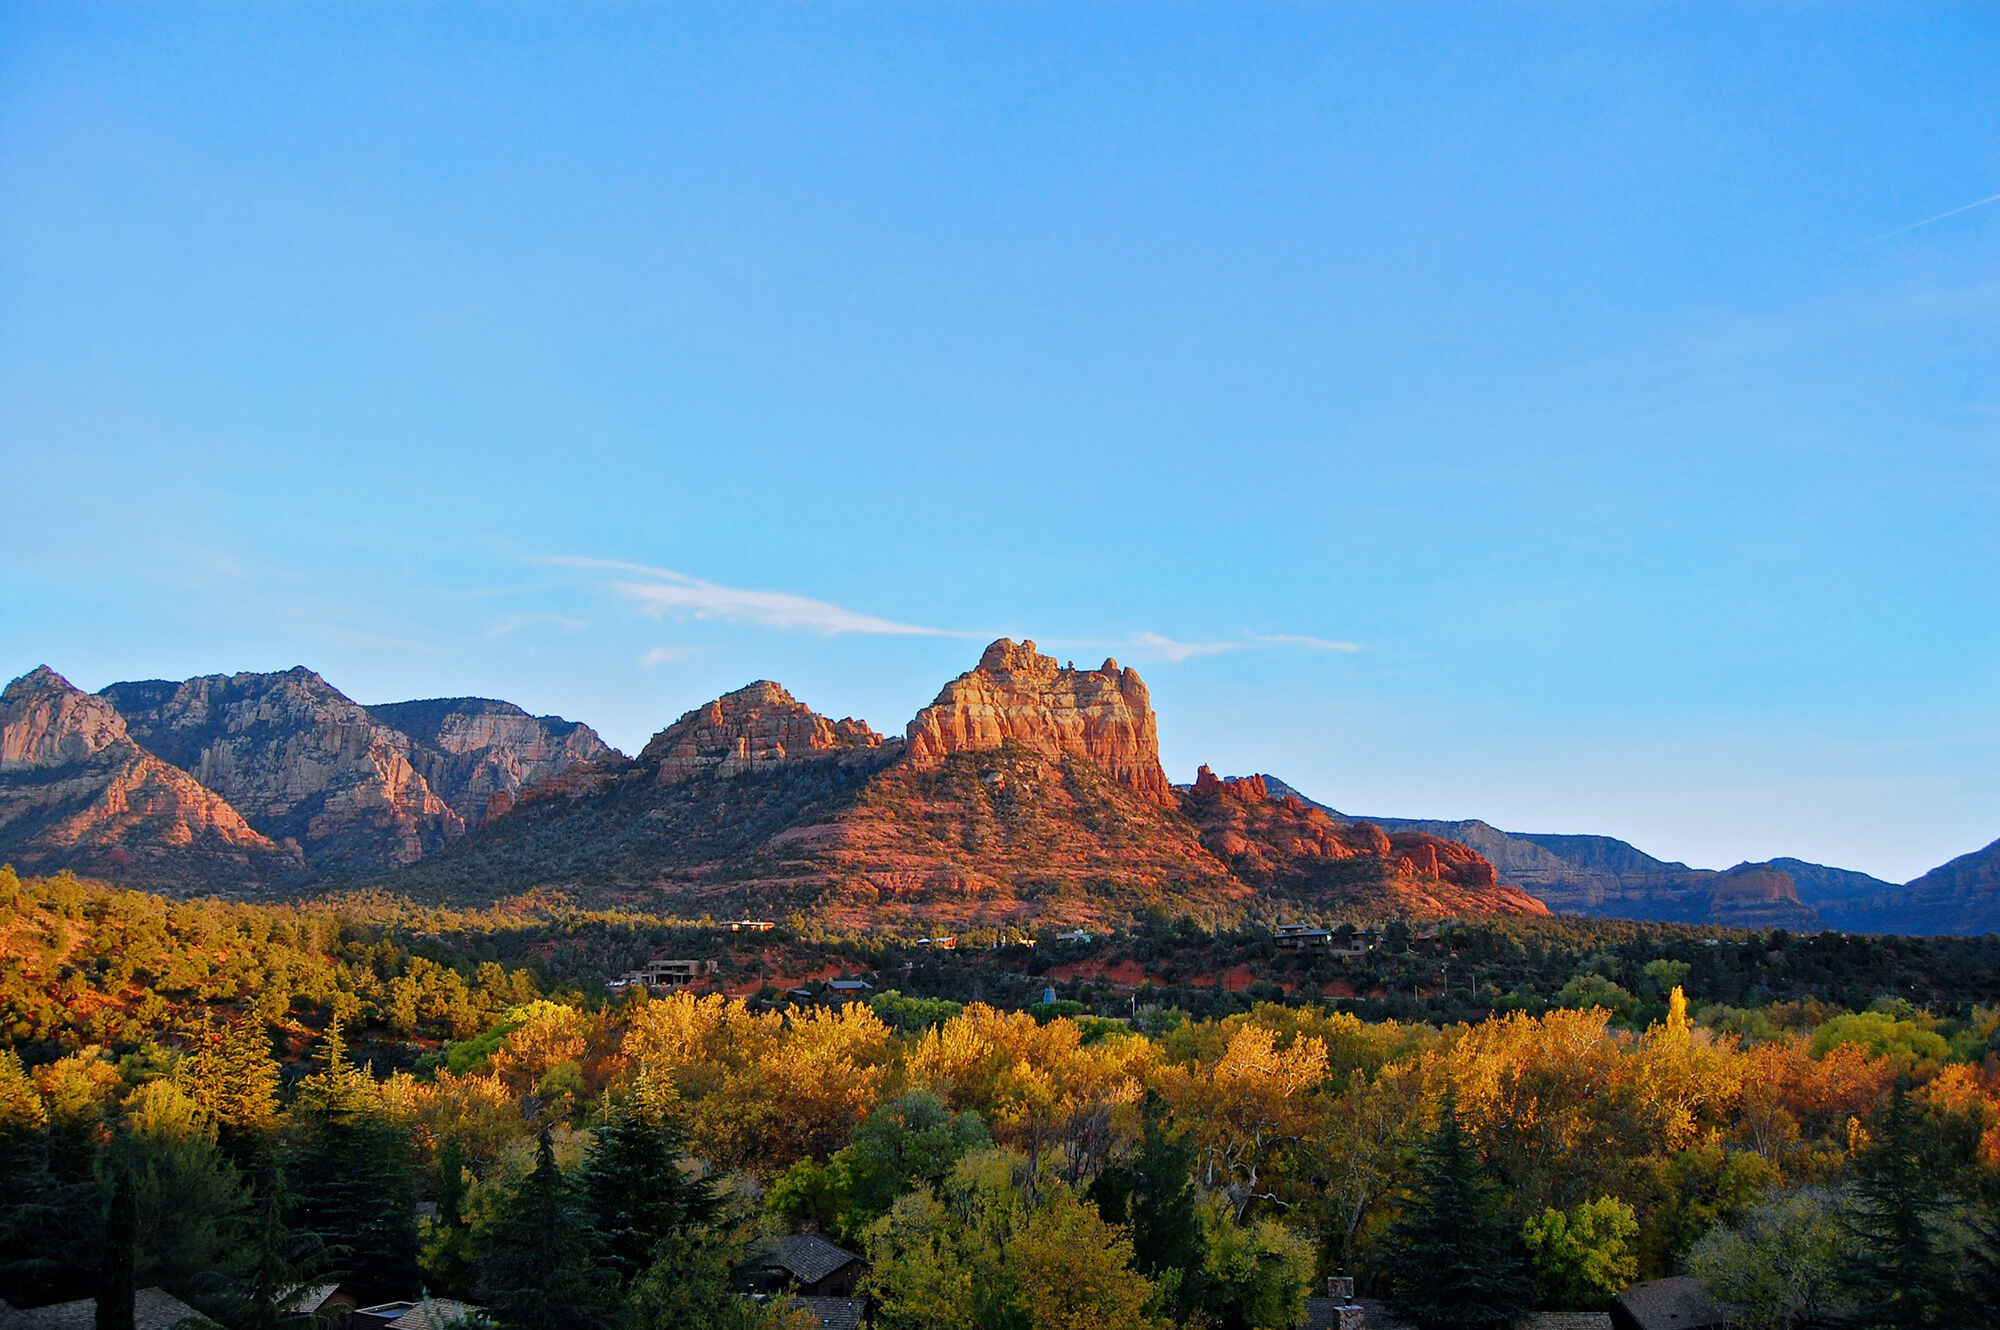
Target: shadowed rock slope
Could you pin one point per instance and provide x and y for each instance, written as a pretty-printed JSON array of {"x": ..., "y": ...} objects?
[
  {"x": 477, "y": 753},
  {"x": 1962, "y": 896}
]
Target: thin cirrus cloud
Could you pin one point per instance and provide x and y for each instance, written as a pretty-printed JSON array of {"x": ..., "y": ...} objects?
[
  {"x": 661, "y": 591},
  {"x": 1313, "y": 643}
]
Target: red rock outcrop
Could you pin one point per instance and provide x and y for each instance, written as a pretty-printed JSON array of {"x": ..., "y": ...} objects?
[
  {"x": 76, "y": 792},
  {"x": 757, "y": 725},
  {"x": 1018, "y": 696},
  {"x": 1285, "y": 842}
]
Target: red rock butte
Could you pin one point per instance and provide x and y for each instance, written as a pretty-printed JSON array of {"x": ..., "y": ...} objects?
[
  {"x": 1017, "y": 696},
  {"x": 757, "y": 725}
]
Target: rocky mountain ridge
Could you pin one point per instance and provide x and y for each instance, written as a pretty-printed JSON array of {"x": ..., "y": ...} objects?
[
  {"x": 1027, "y": 787},
  {"x": 281, "y": 774},
  {"x": 1601, "y": 875},
  {"x": 1027, "y": 790},
  {"x": 756, "y": 726},
  {"x": 77, "y": 792}
]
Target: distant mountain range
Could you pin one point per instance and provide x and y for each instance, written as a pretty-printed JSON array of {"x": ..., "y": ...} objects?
[
  {"x": 1600, "y": 875},
  {"x": 1029, "y": 790}
]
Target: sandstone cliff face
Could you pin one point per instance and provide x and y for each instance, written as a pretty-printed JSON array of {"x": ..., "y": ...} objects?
[
  {"x": 45, "y": 721},
  {"x": 1018, "y": 696},
  {"x": 755, "y": 726},
  {"x": 76, "y": 792},
  {"x": 300, "y": 760},
  {"x": 477, "y": 754},
  {"x": 1284, "y": 842}
]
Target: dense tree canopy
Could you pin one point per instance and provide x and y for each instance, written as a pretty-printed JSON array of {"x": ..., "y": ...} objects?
[{"x": 286, "y": 1092}]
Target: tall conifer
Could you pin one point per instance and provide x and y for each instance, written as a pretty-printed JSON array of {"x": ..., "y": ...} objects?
[
  {"x": 1454, "y": 1254},
  {"x": 1901, "y": 1269},
  {"x": 117, "y": 1276},
  {"x": 537, "y": 1257},
  {"x": 634, "y": 1187}
]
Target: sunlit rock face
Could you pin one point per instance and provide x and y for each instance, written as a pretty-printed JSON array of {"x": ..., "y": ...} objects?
[
  {"x": 1018, "y": 696},
  {"x": 301, "y": 761},
  {"x": 77, "y": 792},
  {"x": 1274, "y": 842},
  {"x": 758, "y": 725}
]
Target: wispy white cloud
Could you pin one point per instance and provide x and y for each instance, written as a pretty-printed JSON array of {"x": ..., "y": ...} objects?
[
  {"x": 1157, "y": 647},
  {"x": 1167, "y": 649},
  {"x": 661, "y": 591},
  {"x": 1314, "y": 643},
  {"x": 508, "y": 623}
]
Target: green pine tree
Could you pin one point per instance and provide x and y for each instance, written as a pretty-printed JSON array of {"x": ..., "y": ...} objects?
[
  {"x": 355, "y": 1177},
  {"x": 1979, "y": 1271},
  {"x": 537, "y": 1258},
  {"x": 118, "y": 1275},
  {"x": 1454, "y": 1254},
  {"x": 1152, "y": 1193},
  {"x": 635, "y": 1190},
  {"x": 1901, "y": 1268},
  {"x": 274, "y": 1261}
]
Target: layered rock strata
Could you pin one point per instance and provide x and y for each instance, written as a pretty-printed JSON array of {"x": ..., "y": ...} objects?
[
  {"x": 477, "y": 754},
  {"x": 300, "y": 760},
  {"x": 1279, "y": 841},
  {"x": 77, "y": 792},
  {"x": 756, "y": 726},
  {"x": 1017, "y": 696}
]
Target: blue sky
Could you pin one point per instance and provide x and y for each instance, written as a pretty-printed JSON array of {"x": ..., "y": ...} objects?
[{"x": 1598, "y": 374}]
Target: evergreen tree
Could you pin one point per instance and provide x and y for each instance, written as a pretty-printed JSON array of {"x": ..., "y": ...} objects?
[
  {"x": 447, "y": 1253},
  {"x": 275, "y": 1261},
  {"x": 1453, "y": 1253},
  {"x": 249, "y": 1083},
  {"x": 536, "y": 1257},
  {"x": 1152, "y": 1193},
  {"x": 117, "y": 1276},
  {"x": 355, "y": 1177},
  {"x": 1901, "y": 1267},
  {"x": 634, "y": 1188},
  {"x": 50, "y": 1225},
  {"x": 1980, "y": 1270}
]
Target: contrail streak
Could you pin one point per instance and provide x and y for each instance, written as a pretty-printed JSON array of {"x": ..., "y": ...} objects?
[{"x": 1926, "y": 222}]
